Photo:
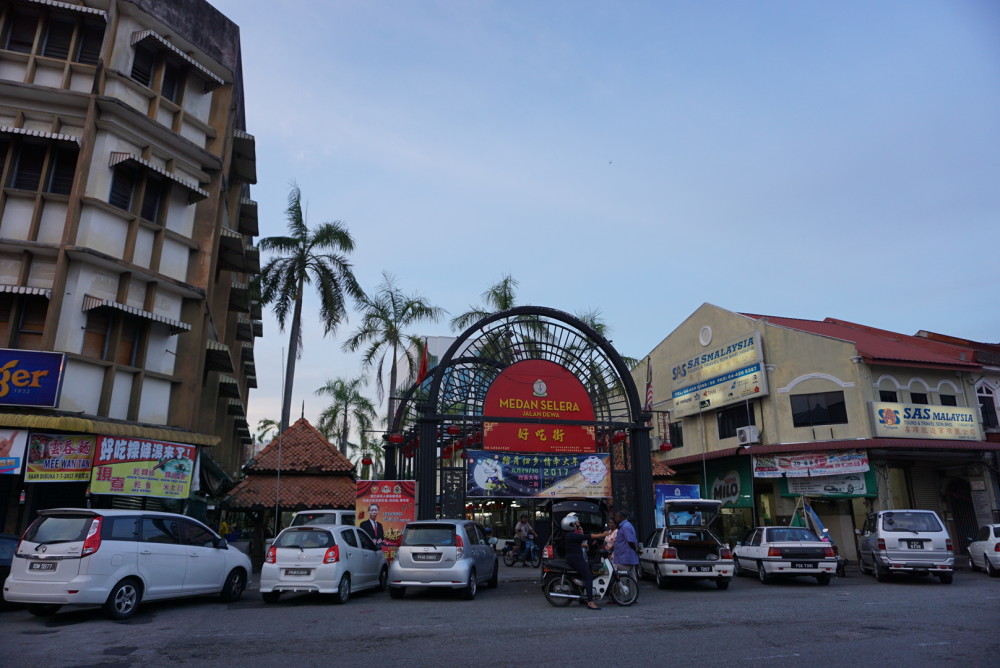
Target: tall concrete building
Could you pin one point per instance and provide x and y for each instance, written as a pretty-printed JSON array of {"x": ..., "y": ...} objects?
[{"x": 127, "y": 326}]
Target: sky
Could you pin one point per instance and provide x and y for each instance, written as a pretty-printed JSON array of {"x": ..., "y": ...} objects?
[{"x": 790, "y": 158}]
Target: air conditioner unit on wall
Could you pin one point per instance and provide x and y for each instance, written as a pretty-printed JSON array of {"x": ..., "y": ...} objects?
[{"x": 747, "y": 435}]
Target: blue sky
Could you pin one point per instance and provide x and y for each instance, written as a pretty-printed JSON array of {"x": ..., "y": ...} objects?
[{"x": 801, "y": 159}]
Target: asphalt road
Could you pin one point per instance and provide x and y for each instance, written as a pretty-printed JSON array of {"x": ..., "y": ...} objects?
[{"x": 852, "y": 622}]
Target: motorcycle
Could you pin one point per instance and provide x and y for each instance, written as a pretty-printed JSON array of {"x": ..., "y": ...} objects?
[
  {"x": 562, "y": 585},
  {"x": 530, "y": 554}
]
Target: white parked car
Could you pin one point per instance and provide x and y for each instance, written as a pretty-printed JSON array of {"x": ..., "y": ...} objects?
[
  {"x": 773, "y": 552},
  {"x": 117, "y": 558},
  {"x": 328, "y": 559},
  {"x": 686, "y": 549},
  {"x": 984, "y": 551}
]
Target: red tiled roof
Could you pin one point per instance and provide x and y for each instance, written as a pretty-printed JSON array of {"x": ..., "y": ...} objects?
[
  {"x": 303, "y": 448},
  {"x": 661, "y": 470},
  {"x": 879, "y": 345},
  {"x": 298, "y": 492}
]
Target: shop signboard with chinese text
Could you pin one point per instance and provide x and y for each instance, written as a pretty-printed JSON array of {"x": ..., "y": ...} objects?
[
  {"x": 537, "y": 391},
  {"x": 952, "y": 423},
  {"x": 725, "y": 375},
  {"x": 30, "y": 378},
  {"x": 59, "y": 457},
  {"x": 391, "y": 503},
  {"x": 810, "y": 464},
  {"x": 537, "y": 475},
  {"x": 12, "y": 442},
  {"x": 141, "y": 467}
]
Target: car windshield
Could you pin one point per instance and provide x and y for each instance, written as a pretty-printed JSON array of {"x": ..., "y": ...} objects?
[
  {"x": 305, "y": 539},
  {"x": 910, "y": 522},
  {"x": 61, "y": 528},
  {"x": 786, "y": 534},
  {"x": 428, "y": 534},
  {"x": 315, "y": 518}
]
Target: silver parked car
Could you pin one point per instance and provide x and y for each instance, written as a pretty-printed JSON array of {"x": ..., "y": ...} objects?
[
  {"x": 325, "y": 559},
  {"x": 906, "y": 541},
  {"x": 456, "y": 554},
  {"x": 984, "y": 551}
]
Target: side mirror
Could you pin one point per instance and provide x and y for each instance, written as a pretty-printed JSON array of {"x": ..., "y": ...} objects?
[{"x": 221, "y": 544}]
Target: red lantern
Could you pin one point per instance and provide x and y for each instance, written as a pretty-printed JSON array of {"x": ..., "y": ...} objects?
[
  {"x": 367, "y": 461},
  {"x": 408, "y": 454},
  {"x": 463, "y": 455},
  {"x": 476, "y": 437},
  {"x": 619, "y": 436},
  {"x": 453, "y": 429},
  {"x": 396, "y": 438},
  {"x": 666, "y": 447},
  {"x": 446, "y": 453}
]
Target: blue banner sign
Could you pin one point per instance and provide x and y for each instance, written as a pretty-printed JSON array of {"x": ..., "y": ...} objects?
[
  {"x": 30, "y": 378},
  {"x": 537, "y": 475}
]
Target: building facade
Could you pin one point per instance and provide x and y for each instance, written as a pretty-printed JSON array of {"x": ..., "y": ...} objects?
[
  {"x": 126, "y": 251},
  {"x": 768, "y": 413}
]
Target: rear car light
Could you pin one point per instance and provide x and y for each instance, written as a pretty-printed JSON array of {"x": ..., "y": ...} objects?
[
  {"x": 459, "y": 547},
  {"x": 828, "y": 552},
  {"x": 725, "y": 553},
  {"x": 996, "y": 548},
  {"x": 947, "y": 545},
  {"x": 670, "y": 553},
  {"x": 774, "y": 551},
  {"x": 881, "y": 543},
  {"x": 93, "y": 540},
  {"x": 548, "y": 552},
  {"x": 332, "y": 555},
  {"x": 272, "y": 555}
]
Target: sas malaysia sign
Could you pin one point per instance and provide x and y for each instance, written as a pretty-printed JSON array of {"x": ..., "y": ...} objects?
[
  {"x": 727, "y": 374},
  {"x": 922, "y": 421},
  {"x": 30, "y": 378}
]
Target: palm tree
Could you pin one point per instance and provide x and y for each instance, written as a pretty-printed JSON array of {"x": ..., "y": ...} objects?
[
  {"x": 499, "y": 297},
  {"x": 306, "y": 256},
  {"x": 372, "y": 451},
  {"x": 349, "y": 406},
  {"x": 385, "y": 317},
  {"x": 264, "y": 429}
]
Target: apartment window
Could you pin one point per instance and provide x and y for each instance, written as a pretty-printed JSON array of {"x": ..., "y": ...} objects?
[
  {"x": 122, "y": 187},
  {"x": 811, "y": 410},
  {"x": 31, "y": 323},
  {"x": 152, "y": 198},
  {"x": 28, "y": 165},
  {"x": 59, "y": 32},
  {"x": 918, "y": 398},
  {"x": 987, "y": 406},
  {"x": 62, "y": 170},
  {"x": 949, "y": 400},
  {"x": 128, "y": 181},
  {"x": 677, "y": 434},
  {"x": 98, "y": 336},
  {"x": 143, "y": 64},
  {"x": 732, "y": 418},
  {"x": 888, "y": 396},
  {"x": 144, "y": 67}
]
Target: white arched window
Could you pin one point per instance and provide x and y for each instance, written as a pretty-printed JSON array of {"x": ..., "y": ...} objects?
[{"x": 987, "y": 405}]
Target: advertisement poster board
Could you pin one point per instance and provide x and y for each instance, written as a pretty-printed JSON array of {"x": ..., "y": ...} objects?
[
  {"x": 810, "y": 464},
  {"x": 663, "y": 492},
  {"x": 841, "y": 485},
  {"x": 383, "y": 507},
  {"x": 30, "y": 378},
  {"x": 718, "y": 377},
  {"x": 538, "y": 475},
  {"x": 921, "y": 421},
  {"x": 140, "y": 467},
  {"x": 12, "y": 442},
  {"x": 730, "y": 483},
  {"x": 59, "y": 458}
]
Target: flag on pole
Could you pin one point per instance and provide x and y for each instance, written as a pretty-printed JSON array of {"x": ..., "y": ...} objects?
[
  {"x": 649, "y": 384},
  {"x": 422, "y": 371}
]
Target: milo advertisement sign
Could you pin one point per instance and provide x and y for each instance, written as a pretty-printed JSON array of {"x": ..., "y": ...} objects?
[{"x": 729, "y": 482}]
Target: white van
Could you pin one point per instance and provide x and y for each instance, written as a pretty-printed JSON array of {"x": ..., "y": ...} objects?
[
  {"x": 322, "y": 516},
  {"x": 906, "y": 541},
  {"x": 117, "y": 558}
]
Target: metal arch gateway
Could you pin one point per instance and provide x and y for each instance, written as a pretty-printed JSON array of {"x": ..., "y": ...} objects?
[{"x": 437, "y": 421}]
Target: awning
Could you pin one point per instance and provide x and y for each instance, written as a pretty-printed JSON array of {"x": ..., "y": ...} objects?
[
  {"x": 244, "y": 157},
  {"x": 85, "y": 426},
  {"x": 70, "y": 7},
  {"x": 195, "y": 192},
  {"x": 248, "y": 217},
  {"x": 213, "y": 477},
  {"x": 239, "y": 297},
  {"x": 22, "y": 290},
  {"x": 154, "y": 38},
  {"x": 176, "y": 326},
  {"x": 228, "y": 387},
  {"x": 252, "y": 380},
  {"x": 55, "y": 136},
  {"x": 231, "y": 250},
  {"x": 246, "y": 328},
  {"x": 235, "y": 407},
  {"x": 217, "y": 356},
  {"x": 251, "y": 257}
]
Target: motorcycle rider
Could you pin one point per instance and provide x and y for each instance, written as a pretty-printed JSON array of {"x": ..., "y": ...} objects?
[
  {"x": 523, "y": 532},
  {"x": 575, "y": 542}
]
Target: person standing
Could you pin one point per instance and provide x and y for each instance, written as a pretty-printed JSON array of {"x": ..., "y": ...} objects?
[{"x": 626, "y": 550}]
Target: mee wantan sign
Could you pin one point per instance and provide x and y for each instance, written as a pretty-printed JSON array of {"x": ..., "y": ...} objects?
[{"x": 538, "y": 391}]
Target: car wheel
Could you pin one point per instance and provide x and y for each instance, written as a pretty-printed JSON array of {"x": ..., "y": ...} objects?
[
  {"x": 495, "y": 578},
  {"x": 236, "y": 582},
  {"x": 823, "y": 578},
  {"x": 992, "y": 572},
  {"x": 762, "y": 574},
  {"x": 123, "y": 600},
  {"x": 43, "y": 609},
  {"x": 738, "y": 571},
  {"x": 946, "y": 578},
  {"x": 270, "y": 596},
  {"x": 469, "y": 591},
  {"x": 842, "y": 569},
  {"x": 864, "y": 569},
  {"x": 383, "y": 578},
  {"x": 397, "y": 592},
  {"x": 661, "y": 581},
  {"x": 882, "y": 575},
  {"x": 722, "y": 583},
  {"x": 344, "y": 588}
]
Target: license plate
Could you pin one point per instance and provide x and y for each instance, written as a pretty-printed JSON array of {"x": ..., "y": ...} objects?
[
  {"x": 425, "y": 557},
  {"x": 915, "y": 544},
  {"x": 803, "y": 564},
  {"x": 42, "y": 566},
  {"x": 699, "y": 569},
  {"x": 297, "y": 571}
]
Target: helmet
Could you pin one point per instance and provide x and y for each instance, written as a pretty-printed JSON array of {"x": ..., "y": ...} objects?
[{"x": 569, "y": 522}]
